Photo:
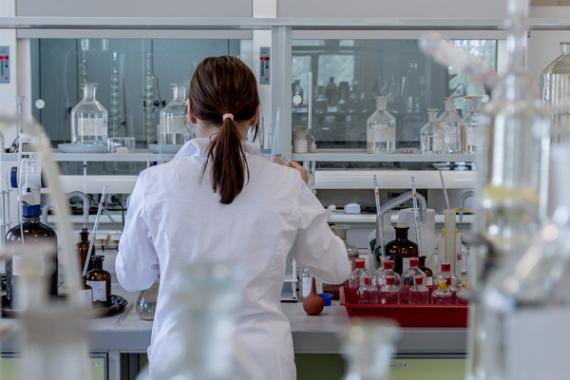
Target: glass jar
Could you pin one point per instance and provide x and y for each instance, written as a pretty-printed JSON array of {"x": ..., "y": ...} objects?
[
  {"x": 472, "y": 134},
  {"x": 554, "y": 84},
  {"x": 431, "y": 134},
  {"x": 100, "y": 281},
  {"x": 146, "y": 302},
  {"x": 451, "y": 124},
  {"x": 89, "y": 119},
  {"x": 401, "y": 248},
  {"x": 381, "y": 129},
  {"x": 173, "y": 128}
]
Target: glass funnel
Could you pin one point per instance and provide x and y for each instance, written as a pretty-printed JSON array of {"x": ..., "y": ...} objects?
[
  {"x": 381, "y": 129},
  {"x": 173, "y": 129},
  {"x": 89, "y": 119},
  {"x": 431, "y": 134},
  {"x": 527, "y": 302},
  {"x": 450, "y": 123},
  {"x": 555, "y": 85},
  {"x": 368, "y": 348},
  {"x": 471, "y": 123}
]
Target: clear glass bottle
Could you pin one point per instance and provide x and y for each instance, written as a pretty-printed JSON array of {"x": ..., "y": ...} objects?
[
  {"x": 408, "y": 278},
  {"x": 386, "y": 270},
  {"x": 381, "y": 129},
  {"x": 401, "y": 248},
  {"x": 471, "y": 123},
  {"x": 367, "y": 293},
  {"x": 419, "y": 293},
  {"x": 30, "y": 230},
  {"x": 89, "y": 119},
  {"x": 431, "y": 134},
  {"x": 173, "y": 129},
  {"x": 100, "y": 281},
  {"x": 368, "y": 347},
  {"x": 451, "y": 125},
  {"x": 442, "y": 295},
  {"x": 146, "y": 302},
  {"x": 554, "y": 84},
  {"x": 445, "y": 273},
  {"x": 354, "y": 281},
  {"x": 389, "y": 293},
  {"x": 526, "y": 303}
]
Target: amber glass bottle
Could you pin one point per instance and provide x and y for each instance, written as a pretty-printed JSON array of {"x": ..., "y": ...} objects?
[
  {"x": 427, "y": 271},
  {"x": 100, "y": 281},
  {"x": 82, "y": 248},
  {"x": 31, "y": 230},
  {"x": 401, "y": 247}
]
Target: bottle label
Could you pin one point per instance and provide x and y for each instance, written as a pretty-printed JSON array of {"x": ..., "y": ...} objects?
[
  {"x": 91, "y": 127},
  {"x": 86, "y": 296},
  {"x": 537, "y": 344},
  {"x": 429, "y": 281},
  {"x": 99, "y": 290}
]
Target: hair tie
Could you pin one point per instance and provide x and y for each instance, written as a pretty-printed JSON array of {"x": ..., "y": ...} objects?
[{"x": 227, "y": 116}]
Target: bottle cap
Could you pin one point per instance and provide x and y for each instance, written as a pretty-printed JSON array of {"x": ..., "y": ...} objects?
[
  {"x": 367, "y": 281},
  {"x": 414, "y": 262},
  {"x": 389, "y": 280},
  {"x": 402, "y": 226},
  {"x": 360, "y": 264},
  {"x": 388, "y": 265},
  {"x": 445, "y": 267},
  {"x": 31, "y": 211},
  {"x": 418, "y": 280}
]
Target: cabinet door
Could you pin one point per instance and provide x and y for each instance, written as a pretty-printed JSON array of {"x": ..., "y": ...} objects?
[{"x": 9, "y": 367}]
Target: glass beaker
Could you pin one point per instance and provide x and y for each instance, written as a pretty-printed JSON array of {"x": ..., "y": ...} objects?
[
  {"x": 554, "y": 84},
  {"x": 368, "y": 347},
  {"x": 146, "y": 302},
  {"x": 450, "y": 123},
  {"x": 381, "y": 129},
  {"x": 173, "y": 128},
  {"x": 89, "y": 119},
  {"x": 471, "y": 123}
]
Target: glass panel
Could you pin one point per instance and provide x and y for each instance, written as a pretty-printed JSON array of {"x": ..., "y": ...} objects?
[{"x": 349, "y": 74}]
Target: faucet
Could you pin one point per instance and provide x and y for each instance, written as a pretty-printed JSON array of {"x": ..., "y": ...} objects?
[
  {"x": 74, "y": 194},
  {"x": 466, "y": 195},
  {"x": 393, "y": 203}
]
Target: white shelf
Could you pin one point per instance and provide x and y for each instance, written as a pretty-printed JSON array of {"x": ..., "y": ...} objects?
[
  {"x": 142, "y": 156},
  {"x": 341, "y": 217},
  {"x": 342, "y": 155}
]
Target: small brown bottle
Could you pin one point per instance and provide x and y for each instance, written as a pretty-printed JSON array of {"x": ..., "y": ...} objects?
[
  {"x": 82, "y": 247},
  {"x": 100, "y": 281},
  {"x": 427, "y": 271},
  {"x": 401, "y": 248}
]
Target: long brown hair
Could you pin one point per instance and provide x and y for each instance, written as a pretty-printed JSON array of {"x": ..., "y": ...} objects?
[{"x": 219, "y": 86}]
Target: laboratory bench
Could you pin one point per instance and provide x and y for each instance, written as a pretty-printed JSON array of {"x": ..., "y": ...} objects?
[{"x": 123, "y": 337}]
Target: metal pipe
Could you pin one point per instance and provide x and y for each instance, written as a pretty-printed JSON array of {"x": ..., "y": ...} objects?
[{"x": 395, "y": 202}]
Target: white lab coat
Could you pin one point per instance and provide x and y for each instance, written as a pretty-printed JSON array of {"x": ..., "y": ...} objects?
[{"x": 175, "y": 218}]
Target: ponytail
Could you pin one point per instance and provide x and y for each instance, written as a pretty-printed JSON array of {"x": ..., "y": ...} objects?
[{"x": 228, "y": 161}]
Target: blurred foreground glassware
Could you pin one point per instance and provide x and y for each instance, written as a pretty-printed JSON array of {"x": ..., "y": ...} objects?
[
  {"x": 527, "y": 302},
  {"x": 368, "y": 348},
  {"x": 146, "y": 302},
  {"x": 381, "y": 129},
  {"x": 173, "y": 128},
  {"x": 554, "y": 87},
  {"x": 89, "y": 119}
]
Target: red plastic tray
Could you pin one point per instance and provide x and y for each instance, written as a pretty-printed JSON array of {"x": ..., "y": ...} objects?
[{"x": 413, "y": 315}]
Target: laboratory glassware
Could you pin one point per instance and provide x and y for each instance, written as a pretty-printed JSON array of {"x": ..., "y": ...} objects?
[
  {"x": 471, "y": 121},
  {"x": 442, "y": 295},
  {"x": 355, "y": 278},
  {"x": 149, "y": 106},
  {"x": 426, "y": 270},
  {"x": 29, "y": 231},
  {"x": 82, "y": 248},
  {"x": 527, "y": 302},
  {"x": 298, "y": 94},
  {"x": 173, "y": 128},
  {"x": 381, "y": 129},
  {"x": 313, "y": 304},
  {"x": 367, "y": 293},
  {"x": 451, "y": 125},
  {"x": 99, "y": 280},
  {"x": 401, "y": 248},
  {"x": 386, "y": 270},
  {"x": 368, "y": 347},
  {"x": 389, "y": 293},
  {"x": 554, "y": 84},
  {"x": 89, "y": 119},
  {"x": 114, "y": 114},
  {"x": 445, "y": 273},
  {"x": 419, "y": 293},
  {"x": 408, "y": 278},
  {"x": 146, "y": 302},
  {"x": 431, "y": 134}
]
